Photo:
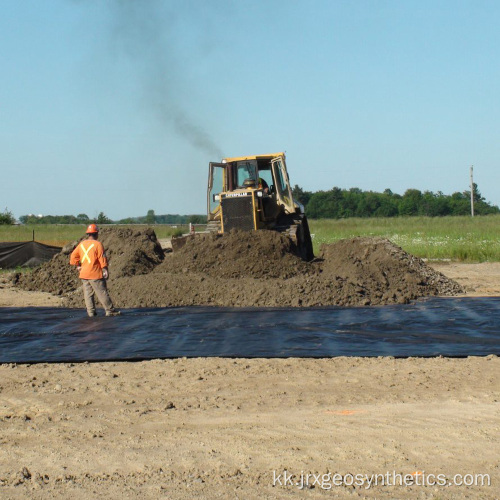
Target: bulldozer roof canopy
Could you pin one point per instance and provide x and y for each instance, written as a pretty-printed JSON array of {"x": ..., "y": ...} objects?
[{"x": 254, "y": 157}]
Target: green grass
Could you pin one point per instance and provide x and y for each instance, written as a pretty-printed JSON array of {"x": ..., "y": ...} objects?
[
  {"x": 60, "y": 234},
  {"x": 435, "y": 238}
]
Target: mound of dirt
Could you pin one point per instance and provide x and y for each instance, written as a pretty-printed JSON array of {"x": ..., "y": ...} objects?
[
  {"x": 262, "y": 270},
  {"x": 55, "y": 276},
  {"x": 238, "y": 254},
  {"x": 382, "y": 272},
  {"x": 130, "y": 252},
  {"x": 244, "y": 269}
]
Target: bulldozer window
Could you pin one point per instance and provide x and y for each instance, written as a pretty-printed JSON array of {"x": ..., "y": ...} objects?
[
  {"x": 280, "y": 180},
  {"x": 216, "y": 185},
  {"x": 245, "y": 170},
  {"x": 264, "y": 173},
  {"x": 267, "y": 177}
]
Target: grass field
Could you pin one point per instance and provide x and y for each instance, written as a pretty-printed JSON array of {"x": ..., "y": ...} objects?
[
  {"x": 457, "y": 238},
  {"x": 435, "y": 238}
]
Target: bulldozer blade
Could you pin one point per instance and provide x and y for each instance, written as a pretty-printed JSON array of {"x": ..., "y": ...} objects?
[{"x": 179, "y": 241}]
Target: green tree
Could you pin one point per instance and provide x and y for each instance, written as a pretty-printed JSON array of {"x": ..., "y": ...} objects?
[
  {"x": 6, "y": 218},
  {"x": 350, "y": 202},
  {"x": 83, "y": 218},
  {"x": 198, "y": 219},
  {"x": 368, "y": 204},
  {"x": 388, "y": 204},
  {"x": 300, "y": 195},
  {"x": 325, "y": 204},
  {"x": 481, "y": 206},
  {"x": 150, "y": 217},
  {"x": 410, "y": 202},
  {"x": 128, "y": 220},
  {"x": 103, "y": 219},
  {"x": 434, "y": 204},
  {"x": 460, "y": 204}
]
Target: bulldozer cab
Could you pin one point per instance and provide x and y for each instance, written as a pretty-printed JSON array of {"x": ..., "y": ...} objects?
[{"x": 263, "y": 179}]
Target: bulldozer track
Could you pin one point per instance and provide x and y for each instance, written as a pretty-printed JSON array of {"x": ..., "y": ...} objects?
[
  {"x": 214, "y": 226},
  {"x": 297, "y": 229}
]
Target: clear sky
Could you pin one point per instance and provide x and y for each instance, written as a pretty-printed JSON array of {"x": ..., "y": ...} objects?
[{"x": 119, "y": 106}]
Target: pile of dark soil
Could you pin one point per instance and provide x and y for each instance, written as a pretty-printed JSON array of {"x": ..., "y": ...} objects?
[
  {"x": 382, "y": 272},
  {"x": 129, "y": 252},
  {"x": 262, "y": 254},
  {"x": 248, "y": 269}
]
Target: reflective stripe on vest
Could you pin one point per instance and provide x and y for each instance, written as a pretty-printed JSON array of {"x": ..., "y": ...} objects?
[{"x": 85, "y": 253}]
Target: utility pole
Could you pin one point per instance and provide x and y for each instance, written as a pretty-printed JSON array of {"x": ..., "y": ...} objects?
[{"x": 471, "y": 191}]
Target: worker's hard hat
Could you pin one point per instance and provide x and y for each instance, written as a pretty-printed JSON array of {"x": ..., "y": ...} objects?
[{"x": 92, "y": 229}]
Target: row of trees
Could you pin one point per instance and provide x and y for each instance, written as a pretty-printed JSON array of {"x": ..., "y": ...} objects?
[
  {"x": 342, "y": 203},
  {"x": 152, "y": 218},
  {"x": 102, "y": 218},
  {"x": 64, "y": 219}
]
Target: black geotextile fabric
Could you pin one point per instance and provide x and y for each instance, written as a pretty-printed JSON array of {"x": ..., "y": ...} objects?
[
  {"x": 25, "y": 254},
  {"x": 433, "y": 327}
]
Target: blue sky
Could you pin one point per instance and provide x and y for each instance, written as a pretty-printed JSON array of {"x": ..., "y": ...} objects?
[{"x": 119, "y": 106}]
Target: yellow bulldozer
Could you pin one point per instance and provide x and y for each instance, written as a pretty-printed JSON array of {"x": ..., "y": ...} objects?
[{"x": 253, "y": 192}]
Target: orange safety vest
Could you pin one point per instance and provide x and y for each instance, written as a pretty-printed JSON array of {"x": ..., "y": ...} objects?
[{"x": 89, "y": 254}]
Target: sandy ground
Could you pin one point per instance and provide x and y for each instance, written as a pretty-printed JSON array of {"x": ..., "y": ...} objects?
[
  {"x": 11, "y": 296},
  {"x": 482, "y": 280},
  {"x": 224, "y": 428}
]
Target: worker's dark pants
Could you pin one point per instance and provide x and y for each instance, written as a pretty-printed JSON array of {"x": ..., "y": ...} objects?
[{"x": 91, "y": 288}]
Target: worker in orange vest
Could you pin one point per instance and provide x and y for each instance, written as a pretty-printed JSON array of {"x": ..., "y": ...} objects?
[{"x": 92, "y": 264}]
